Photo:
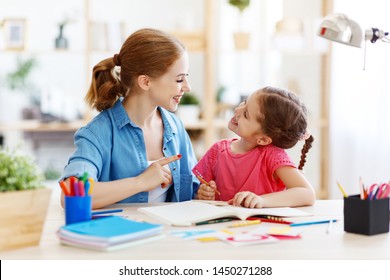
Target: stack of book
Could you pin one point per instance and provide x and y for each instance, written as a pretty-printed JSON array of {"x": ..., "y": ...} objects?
[{"x": 108, "y": 234}]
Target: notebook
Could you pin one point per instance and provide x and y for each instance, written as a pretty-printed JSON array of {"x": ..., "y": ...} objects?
[
  {"x": 190, "y": 212},
  {"x": 101, "y": 234},
  {"x": 108, "y": 248}
]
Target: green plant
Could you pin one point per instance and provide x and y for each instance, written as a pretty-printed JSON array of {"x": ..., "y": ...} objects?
[
  {"x": 189, "y": 99},
  {"x": 240, "y": 4},
  {"x": 18, "y": 79},
  {"x": 18, "y": 172}
]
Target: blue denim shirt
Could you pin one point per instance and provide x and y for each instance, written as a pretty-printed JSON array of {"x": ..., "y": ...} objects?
[{"x": 112, "y": 147}]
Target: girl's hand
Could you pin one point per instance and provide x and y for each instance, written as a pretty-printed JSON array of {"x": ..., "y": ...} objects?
[
  {"x": 247, "y": 199},
  {"x": 207, "y": 192},
  {"x": 157, "y": 174}
]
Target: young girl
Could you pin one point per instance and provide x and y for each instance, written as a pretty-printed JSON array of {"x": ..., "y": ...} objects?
[
  {"x": 254, "y": 170},
  {"x": 135, "y": 149}
]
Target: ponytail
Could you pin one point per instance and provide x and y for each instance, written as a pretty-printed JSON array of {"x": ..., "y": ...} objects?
[
  {"x": 305, "y": 149},
  {"x": 106, "y": 87}
]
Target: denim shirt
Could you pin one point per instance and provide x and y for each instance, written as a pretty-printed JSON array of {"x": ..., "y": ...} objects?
[{"x": 112, "y": 147}]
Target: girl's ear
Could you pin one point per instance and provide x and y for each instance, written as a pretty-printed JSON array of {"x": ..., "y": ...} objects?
[
  {"x": 143, "y": 82},
  {"x": 263, "y": 140}
]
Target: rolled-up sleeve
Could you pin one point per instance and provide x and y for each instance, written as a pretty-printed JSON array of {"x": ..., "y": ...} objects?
[{"x": 87, "y": 157}]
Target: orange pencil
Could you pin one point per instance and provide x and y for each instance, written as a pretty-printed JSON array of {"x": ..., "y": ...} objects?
[
  {"x": 64, "y": 188},
  {"x": 206, "y": 183}
]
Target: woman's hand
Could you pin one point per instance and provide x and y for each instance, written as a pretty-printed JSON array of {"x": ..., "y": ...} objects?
[
  {"x": 157, "y": 174},
  {"x": 207, "y": 192},
  {"x": 247, "y": 199}
]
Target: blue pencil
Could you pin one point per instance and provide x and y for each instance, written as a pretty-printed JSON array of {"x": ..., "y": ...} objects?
[
  {"x": 107, "y": 211},
  {"x": 311, "y": 223}
]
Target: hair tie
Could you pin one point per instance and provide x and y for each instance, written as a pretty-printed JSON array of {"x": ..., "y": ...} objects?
[
  {"x": 116, "y": 60},
  {"x": 305, "y": 135}
]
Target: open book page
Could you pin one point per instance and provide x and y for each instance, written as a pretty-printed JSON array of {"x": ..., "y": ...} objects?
[{"x": 190, "y": 212}]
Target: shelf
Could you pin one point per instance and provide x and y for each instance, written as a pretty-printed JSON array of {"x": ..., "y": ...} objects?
[{"x": 38, "y": 126}]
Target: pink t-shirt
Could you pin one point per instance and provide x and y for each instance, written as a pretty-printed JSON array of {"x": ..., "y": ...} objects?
[{"x": 252, "y": 171}]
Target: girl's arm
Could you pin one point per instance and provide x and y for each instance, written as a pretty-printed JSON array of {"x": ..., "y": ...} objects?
[{"x": 299, "y": 192}]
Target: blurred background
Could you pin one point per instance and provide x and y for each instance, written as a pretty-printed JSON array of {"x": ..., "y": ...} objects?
[{"x": 48, "y": 50}]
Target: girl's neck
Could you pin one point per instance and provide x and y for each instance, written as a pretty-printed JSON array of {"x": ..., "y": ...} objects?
[{"x": 241, "y": 146}]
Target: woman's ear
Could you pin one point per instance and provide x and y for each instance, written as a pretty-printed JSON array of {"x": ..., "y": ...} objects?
[
  {"x": 143, "y": 82},
  {"x": 263, "y": 140}
]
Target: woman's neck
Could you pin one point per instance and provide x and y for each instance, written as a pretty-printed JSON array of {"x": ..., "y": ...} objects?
[{"x": 140, "y": 111}]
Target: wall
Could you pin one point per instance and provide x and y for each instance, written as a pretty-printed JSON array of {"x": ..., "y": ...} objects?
[{"x": 360, "y": 115}]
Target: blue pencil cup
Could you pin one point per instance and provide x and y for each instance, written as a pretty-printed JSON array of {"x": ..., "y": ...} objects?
[{"x": 78, "y": 209}]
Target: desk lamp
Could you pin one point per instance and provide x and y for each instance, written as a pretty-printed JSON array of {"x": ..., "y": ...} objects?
[{"x": 339, "y": 28}]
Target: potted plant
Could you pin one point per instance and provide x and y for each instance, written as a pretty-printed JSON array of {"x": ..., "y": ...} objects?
[
  {"x": 23, "y": 201},
  {"x": 241, "y": 38},
  {"x": 189, "y": 110}
]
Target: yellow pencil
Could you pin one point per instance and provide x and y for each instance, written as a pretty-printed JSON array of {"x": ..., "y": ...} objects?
[
  {"x": 245, "y": 223},
  {"x": 91, "y": 183},
  {"x": 342, "y": 189}
]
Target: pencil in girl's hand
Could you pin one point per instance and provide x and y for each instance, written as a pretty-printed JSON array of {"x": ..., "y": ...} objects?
[{"x": 200, "y": 178}]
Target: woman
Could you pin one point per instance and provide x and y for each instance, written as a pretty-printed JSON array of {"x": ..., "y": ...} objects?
[{"x": 136, "y": 149}]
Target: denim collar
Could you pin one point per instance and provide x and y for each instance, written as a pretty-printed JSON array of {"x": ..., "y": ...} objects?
[{"x": 121, "y": 118}]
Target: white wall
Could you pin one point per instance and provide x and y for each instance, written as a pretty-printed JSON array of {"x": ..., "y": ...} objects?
[{"x": 360, "y": 103}]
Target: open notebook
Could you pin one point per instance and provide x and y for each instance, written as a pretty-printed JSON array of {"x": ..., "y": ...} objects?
[{"x": 190, "y": 212}]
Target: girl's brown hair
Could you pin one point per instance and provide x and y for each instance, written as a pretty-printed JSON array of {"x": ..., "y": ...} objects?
[
  {"x": 284, "y": 119},
  {"x": 145, "y": 52}
]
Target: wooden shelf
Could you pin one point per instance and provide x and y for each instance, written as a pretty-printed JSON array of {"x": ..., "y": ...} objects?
[{"x": 38, "y": 126}]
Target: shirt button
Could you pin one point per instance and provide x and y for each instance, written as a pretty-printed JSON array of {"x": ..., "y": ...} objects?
[
  {"x": 174, "y": 168},
  {"x": 165, "y": 149}
]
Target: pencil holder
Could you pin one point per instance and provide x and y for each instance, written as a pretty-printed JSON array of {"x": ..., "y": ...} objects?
[
  {"x": 365, "y": 216},
  {"x": 78, "y": 209}
]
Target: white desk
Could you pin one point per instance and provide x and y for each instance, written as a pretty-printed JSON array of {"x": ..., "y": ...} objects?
[{"x": 315, "y": 243}]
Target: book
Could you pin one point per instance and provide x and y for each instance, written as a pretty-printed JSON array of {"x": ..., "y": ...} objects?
[
  {"x": 107, "y": 233},
  {"x": 189, "y": 213},
  {"x": 109, "y": 248}
]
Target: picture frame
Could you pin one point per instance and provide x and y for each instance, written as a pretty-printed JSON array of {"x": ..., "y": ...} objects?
[{"x": 15, "y": 33}]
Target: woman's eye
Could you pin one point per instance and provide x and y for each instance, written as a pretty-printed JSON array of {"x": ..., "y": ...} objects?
[{"x": 180, "y": 81}]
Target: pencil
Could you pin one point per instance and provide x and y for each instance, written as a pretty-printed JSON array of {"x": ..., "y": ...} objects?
[
  {"x": 245, "y": 223},
  {"x": 214, "y": 221},
  {"x": 64, "y": 188},
  {"x": 342, "y": 190},
  {"x": 329, "y": 226},
  {"x": 270, "y": 219},
  {"x": 206, "y": 183},
  {"x": 107, "y": 211},
  {"x": 311, "y": 223},
  {"x": 91, "y": 184}
]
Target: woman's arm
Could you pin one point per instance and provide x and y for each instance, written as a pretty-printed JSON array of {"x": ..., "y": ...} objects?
[{"x": 107, "y": 193}]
